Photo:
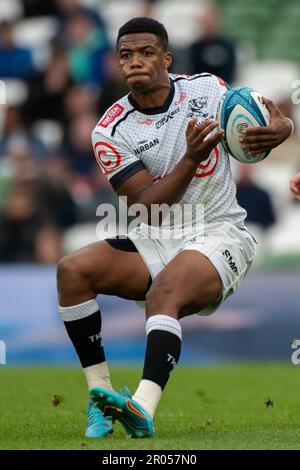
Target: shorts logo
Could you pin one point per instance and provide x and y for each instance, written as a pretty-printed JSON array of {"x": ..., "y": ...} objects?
[
  {"x": 198, "y": 107},
  {"x": 208, "y": 168},
  {"x": 107, "y": 156},
  {"x": 231, "y": 262},
  {"x": 111, "y": 115}
]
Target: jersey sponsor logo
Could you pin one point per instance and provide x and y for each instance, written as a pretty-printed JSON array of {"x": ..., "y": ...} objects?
[
  {"x": 209, "y": 167},
  {"x": 181, "y": 98},
  {"x": 231, "y": 262},
  {"x": 108, "y": 164},
  {"x": 111, "y": 115},
  {"x": 198, "y": 107},
  {"x": 166, "y": 118},
  {"x": 145, "y": 122},
  {"x": 146, "y": 145}
]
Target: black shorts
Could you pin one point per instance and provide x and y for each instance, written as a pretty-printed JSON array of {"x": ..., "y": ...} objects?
[{"x": 125, "y": 244}]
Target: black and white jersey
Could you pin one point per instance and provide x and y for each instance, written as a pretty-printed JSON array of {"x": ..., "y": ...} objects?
[{"x": 129, "y": 139}]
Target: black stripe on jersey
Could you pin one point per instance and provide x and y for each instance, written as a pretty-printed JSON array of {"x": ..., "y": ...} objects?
[
  {"x": 123, "y": 175},
  {"x": 192, "y": 77},
  {"x": 157, "y": 109},
  {"x": 123, "y": 119}
]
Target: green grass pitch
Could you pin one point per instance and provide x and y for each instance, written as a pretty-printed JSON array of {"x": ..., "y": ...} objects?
[{"x": 224, "y": 407}]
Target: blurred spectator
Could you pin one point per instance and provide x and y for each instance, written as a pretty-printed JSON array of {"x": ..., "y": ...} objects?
[
  {"x": 38, "y": 8},
  {"x": 80, "y": 100},
  {"x": 255, "y": 200},
  {"x": 48, "y": 245},
  {"x": 114, "y": 87},
  {"x": 56, "y": 203},
  {"x": 24, "y": 235},
  {"x": 15, "y": 61},
  {"x": 66, "y": 8},
  {"x": 37, "y": 209},
  {"x": 53, "y": 200},
  {"x": 16, "y": 136},
  {"x": 83, "y": 33},
  {"x": 77, "y": 148},
  {"x": 86, "y": 47},
  {"x": 19, "y": 226},
  {"x": 6, "y": 179},
  {"x": 212, "y": 52},
  {"x": 102, "y": 192},
  {"x": 47, "y": 90},
  {"x": 148, "y": 8}
]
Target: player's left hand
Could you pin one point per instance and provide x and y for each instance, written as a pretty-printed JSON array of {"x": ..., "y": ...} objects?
[{"x": 261, "y": 139}]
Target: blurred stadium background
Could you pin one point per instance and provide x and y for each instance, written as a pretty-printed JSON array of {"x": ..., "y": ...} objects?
[{"x": 58, "y": 66}]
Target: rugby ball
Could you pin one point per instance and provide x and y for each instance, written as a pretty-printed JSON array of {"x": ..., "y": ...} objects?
[{"x": 241, "y": 107}]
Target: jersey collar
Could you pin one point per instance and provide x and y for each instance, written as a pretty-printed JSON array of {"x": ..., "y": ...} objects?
[{"x": 157, "y": 109}]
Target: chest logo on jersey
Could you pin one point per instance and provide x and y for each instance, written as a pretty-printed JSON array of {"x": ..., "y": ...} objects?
[
  {"x": 146, "y": 145},
  {"x": 198, "y": 107},
  {"x": 111, "y": 115},
  {"x": 167, "y": 118}
]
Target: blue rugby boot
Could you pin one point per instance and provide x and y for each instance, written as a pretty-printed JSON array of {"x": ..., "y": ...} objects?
[
  {"x": 136, "y": 421},
  {"x": 98, "y": 425}
]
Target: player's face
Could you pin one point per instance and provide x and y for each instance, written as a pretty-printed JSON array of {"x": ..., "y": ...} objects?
[{"x": 142, "y": 61}]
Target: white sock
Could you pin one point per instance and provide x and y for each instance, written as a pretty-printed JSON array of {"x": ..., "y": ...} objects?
[
  {"x": 98, "y": 376},
  {"x": 148, "y": 395},
  {"x": 149, "y": 392}
]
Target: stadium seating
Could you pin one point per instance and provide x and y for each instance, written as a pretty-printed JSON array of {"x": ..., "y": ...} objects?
[{"x": 271, "y": 26}]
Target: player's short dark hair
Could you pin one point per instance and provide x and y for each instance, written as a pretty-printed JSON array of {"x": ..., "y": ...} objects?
[{"x": 145, "y": 25}]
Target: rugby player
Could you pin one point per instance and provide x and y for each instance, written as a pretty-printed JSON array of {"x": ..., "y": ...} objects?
[{"x": 159, "y": 144}]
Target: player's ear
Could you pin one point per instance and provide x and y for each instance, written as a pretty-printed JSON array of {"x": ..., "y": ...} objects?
[{"x": 167, "y": 59}]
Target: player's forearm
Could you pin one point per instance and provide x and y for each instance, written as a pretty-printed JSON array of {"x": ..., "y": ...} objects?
[{"x": 171, "y": 188}]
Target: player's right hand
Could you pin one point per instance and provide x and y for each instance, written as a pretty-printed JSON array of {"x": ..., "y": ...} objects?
[
  {"x": 198, "y": 149},
  {"x": 295, "y": 186}
]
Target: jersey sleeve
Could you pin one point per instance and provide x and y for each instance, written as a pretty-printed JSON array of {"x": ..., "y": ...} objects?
[
  {"x": 116, "y": 160},
  {"x": 221, "y": 87}
]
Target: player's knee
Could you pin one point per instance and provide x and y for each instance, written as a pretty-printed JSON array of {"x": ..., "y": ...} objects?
[
  {"x": 68, "y": 272},
  {"x": 159, "y": 297}
]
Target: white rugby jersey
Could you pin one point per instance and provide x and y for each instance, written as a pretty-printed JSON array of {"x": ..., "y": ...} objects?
[{"x": 128, "y": 139}]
